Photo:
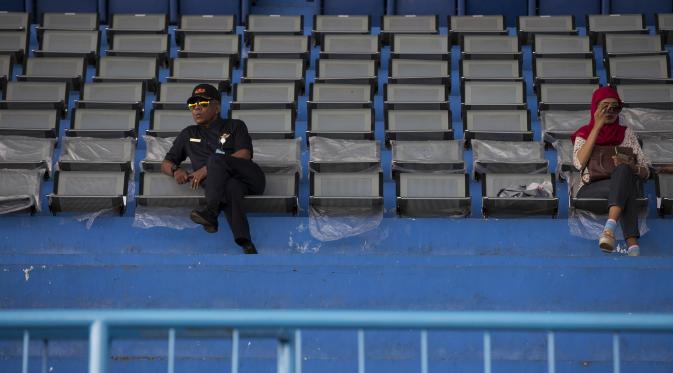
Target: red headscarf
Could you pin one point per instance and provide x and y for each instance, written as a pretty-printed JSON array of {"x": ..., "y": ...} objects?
[{"x": 610, "y": 133}]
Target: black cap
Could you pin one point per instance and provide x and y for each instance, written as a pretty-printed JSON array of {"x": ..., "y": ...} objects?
[{"x": 204, "y": 92}]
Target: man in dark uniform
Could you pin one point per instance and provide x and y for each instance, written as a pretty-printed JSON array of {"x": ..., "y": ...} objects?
[{"x": 221, "y": 155}]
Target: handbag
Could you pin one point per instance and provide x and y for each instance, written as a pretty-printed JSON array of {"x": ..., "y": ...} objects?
[{"x": 601, "y": 165}]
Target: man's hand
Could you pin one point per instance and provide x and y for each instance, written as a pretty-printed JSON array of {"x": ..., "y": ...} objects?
[
  {"x": 181, "y": 176},
  {"x": 198, "y": 176}
]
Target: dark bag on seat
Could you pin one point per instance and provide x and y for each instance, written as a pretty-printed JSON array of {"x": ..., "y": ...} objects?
[{"x": 601, "y": 165}]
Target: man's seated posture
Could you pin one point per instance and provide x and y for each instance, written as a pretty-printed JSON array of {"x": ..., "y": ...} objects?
[{"x": 221, "y": 154}]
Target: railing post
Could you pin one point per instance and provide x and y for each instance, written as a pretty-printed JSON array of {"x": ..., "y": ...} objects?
[
  {"x": 297, "y": 351},
  {"x": 551, "y": 353},
  {"x": 487, "y": 352},
  {"x": 616, "y": 368},
  {"x": 361, "y": 351},
  {"x": 45, "y": 355},
  {"x": 24, "y": 360},
  {"x": 98, "y": 347},
  {"x": 234, "y": 351},
  {"x": 286, "y": 355},
  {"x": 171, "y": 350},
  {"x": 424, "y": 351}
]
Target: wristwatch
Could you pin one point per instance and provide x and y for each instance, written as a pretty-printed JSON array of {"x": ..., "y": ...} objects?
[{"x": 174, "y": 168}]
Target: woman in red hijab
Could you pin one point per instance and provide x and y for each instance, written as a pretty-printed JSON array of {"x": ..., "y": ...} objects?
[{"x": 624, "y": 186}]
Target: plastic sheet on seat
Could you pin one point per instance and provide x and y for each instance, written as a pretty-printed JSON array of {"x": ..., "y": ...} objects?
[
  {"x": 561, "y": 124},
  {"x": 278, "y": 155},
  {"x": 26, "y": 152},
  {"x": 587, "y": 224},
  {"x": 334, "y": 223},
  {"x": 659, "y": 151},
  {"x": 648, "y": 122},
  {"x": 344, "y": 155},
  {"x": 94, "y": 151},
  {"x": 20, "y": 190},
  {"x": 564, "y": 157},
  {"x": 157, "y": 147},
  {"x": 508, "y": 157},
  {"x": 428, "y": 156},
  {"x": 167, "y": 217}
]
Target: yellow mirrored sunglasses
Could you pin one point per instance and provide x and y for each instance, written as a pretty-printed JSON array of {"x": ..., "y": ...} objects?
[{"x": 203, "y": 104}]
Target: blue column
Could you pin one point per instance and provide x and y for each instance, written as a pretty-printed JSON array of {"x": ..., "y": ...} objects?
[
  {"x": 532, "y": 7},
  {"x": 605, "y": 6},
  {"x": 460, "y": 8},
  {"x": 102, "y": 11},
  {"x": 173, "y": 11},
  {"x": 245, "y": 8},
  {"x": 28, "y": 7},
  {"x": 390, "y": 7}
]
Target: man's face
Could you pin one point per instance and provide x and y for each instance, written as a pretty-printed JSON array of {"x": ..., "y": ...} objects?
[{"x": 205, "y": 111}]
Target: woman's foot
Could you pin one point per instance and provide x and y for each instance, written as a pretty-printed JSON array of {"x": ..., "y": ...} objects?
[
  {"x": 633, "y": 250},
  {"x": 607, "y": 241}
]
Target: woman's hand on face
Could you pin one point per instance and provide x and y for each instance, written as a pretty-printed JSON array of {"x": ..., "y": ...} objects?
[{"x": 600, "y": 115}]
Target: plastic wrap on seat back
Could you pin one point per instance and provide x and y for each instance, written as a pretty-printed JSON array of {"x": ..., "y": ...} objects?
[
  {"x": 20, "y": 190},
  {"x": 557, "y": 124},
  {"x": 508, "y": 157},
  {"x": 93, "y": 150},
  {"x": 26, "y": 152},
  {"x": 648, "y": 122},
  {"x": 344, "y": 155},
  {"x": 157, "y": 147},
  {"x": 659, "y": 151},
  {"x": 564, "y": 157},
  {"x": 428, "y": 156},
  {"x": 278, "y": 156}
]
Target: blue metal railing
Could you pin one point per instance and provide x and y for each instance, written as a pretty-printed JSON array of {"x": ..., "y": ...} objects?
[{"x": 286, "y": 326}]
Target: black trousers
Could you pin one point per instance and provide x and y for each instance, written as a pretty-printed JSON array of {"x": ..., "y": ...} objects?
[
  {"x": 622, "y": 189},
  {"x": 229, "y": 180}
]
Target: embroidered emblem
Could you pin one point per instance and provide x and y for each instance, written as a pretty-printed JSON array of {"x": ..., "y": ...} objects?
[{"x": 224, "y": 138}]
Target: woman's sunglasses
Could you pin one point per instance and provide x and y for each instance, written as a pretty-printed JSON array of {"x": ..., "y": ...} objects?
[{"x": 202, "y": 104}]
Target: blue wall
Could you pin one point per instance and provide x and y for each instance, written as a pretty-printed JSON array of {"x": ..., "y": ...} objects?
[
  {"x": 375, "y": 8},
  {"x": 442, "y": 8},
  {"x": 511, "y": 9},
  {"x": 648, "y": 7},
  {"x": 578, "y": 8},
  {"x": 12, "y": 5}
]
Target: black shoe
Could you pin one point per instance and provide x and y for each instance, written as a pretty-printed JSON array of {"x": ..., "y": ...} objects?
[
  {"x": 248, "y": 247},
  {"x": 205, "y": 218}
]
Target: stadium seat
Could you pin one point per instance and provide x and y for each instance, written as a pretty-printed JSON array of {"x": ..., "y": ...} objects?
[
  {"x": 501, "y": 125},
  {"x": 33, "y": 123},
  {"x": 529, "y": 27},
  {"x": 562, "y": 46},
  {"x": 14, "y": 44},
  {"x": 157, "y": 147},
  {"x": 6, "y": 70},
  {"x": 207, "y": 45},
  {"x": 56, "y": 43},
  {"x": 350, "y": 46},
  {"x": 664, "y": 188},
  {"x": 490, "y": 69},
  {"x": 339, "y": 24},
  {"x": 20, "y": 190},
  {"x": 407, "y": 24},
  {"x": 600, "y": 24},
  {"x": 409, "y": 125},
  {"x": 420, "y": 47},
  {"x": 564, "y": 158},
  {"x": 36, "y": 95},
  {"x": 598, "y": 206},
  {"x": 338, "y": 155},
  {"x": 638, "y": 69},
  {"x": 89, "y": 191},
  {"x": 560, "y": 94},
  {"x": 168, "y": 122},
  {"x": 564, "y": 70},
  {"x": 204, "y": 24},
  {"x": 80, "y": 21},
  {"x": 561, "y": 123},
  {"x": 273, "y": 24},
  {"x": 267, "y": 123},
  {"x": 159, "y": 190},
  {"x": 14, "y": 21},
  {"x": 269, "y": 70},
  {"x": 103, "y": 123},
  {"x": 351, "y": 124},
  {"x": 136, "y": 24},
  {"x": 496, "y": 205},
  {"x": 213, "y": 70},
  {"x": 659, "y": 151},
  {"x": 173, "y": 95},
  {"x": 112, "y": 95},
  {"x": 336, "y": 95},
  {"x": 280, "y": 46},
  {"x": 128, "y": 69},
  {"x": 26, "y": 153},
  {"x": 647, "y": 122},
  {"x": 415, "y": 96},
  {"x": 444, "y": 156},
  {"x": 664, "y": 26},
  {"x": 656, "y": 96},
  {"x": 508, "y": 157},
  {"x": 346, "y": 189},
  {"x": 419, "y": 71},
  {"x": 625, "y": 44},
  {"x": 351, "y": 71},
  {"x": 490, "y": 47},
  {"x": 432, "y": 194},
  {"x": 71, "y": 70},
  {"x": 278, "y": 155},
  {"x": 264, "y": 96},
  {"x": 475, "y": 24},
  {"x": 141, "y": 45},
  {"x": 499, "y": 94},
  {"x": 92, "y": 154}
]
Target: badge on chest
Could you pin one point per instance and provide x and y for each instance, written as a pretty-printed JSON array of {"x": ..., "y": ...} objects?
[{"x": 223, "y": 138}]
